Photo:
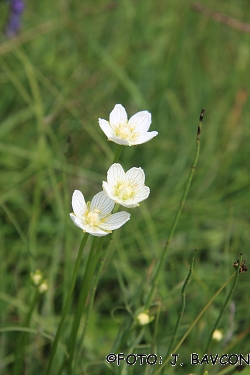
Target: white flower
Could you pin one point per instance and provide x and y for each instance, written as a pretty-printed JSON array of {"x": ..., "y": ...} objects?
[
  {"x": 127, "y": 189},
  {"x": 217, "y": 335},
  {"x": 143, "y": 319},
  {"x": 127, "y": 132},
  {"x": 43, "y": 287},
  {"x": 36, "y": 277},
  {"x": 94, "y": 217}
]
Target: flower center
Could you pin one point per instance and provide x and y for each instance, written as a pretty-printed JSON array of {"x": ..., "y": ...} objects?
[
  {"x": 126, "y": 131},
  {"x": 92, "y": 217},
  {"x": 124, "y": 191}
]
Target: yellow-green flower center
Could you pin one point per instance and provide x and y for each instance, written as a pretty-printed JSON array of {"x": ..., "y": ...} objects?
[
  {"x": 126, "y": 131},
  {"x": 92, "y": 217},
  {"x": 124, "y": 190}
]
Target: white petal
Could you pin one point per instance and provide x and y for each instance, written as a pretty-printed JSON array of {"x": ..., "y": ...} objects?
[
  {"x": 145, "y": 137},
  {"x": 141, "y": 121},
  {"x": 136, "y": 176},
  {"x": 115, "y": 221},
  {"x": 106, "y": 128},
  {"x": 115, "y": 174},
  {"x": 98, "y": 232},
  {"x": 129, "y": 203},
  {"x": 120, "y": 141},
  {"x": 102, "y": 203},
  {"x": 142, "y": 194},
  {"x": 108, "y": 190},
  {"x": 78, "y": 203},
  {"x": 77, "y": 221},
  {"x": 118, "y": 115}
]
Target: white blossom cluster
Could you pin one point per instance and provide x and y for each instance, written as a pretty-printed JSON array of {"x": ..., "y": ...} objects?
[{"x": 124, "y": 188}]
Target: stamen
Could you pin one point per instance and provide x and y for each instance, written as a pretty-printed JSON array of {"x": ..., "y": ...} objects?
[
  {"x": 92, "y": 218},
  {"x": 124, "y": 191},
  {"x": 126, "y": 131}
]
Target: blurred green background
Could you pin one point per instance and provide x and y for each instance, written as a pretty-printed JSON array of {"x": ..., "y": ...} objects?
[{"x": 70, "y": 64}]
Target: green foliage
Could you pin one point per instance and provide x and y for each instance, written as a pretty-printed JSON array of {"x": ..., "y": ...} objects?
[{"x": 72, "y": 62}]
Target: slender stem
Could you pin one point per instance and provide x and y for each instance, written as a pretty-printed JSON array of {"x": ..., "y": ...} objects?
[
  {"x": 177, "y": 216},
  {"x": 117, "y": 153},
  {"x": 85, "y": 287},
  {"x": 149, "y": 369},
  {"x": 20, "y": 349},
  {"x": 183, "y": 297},
  {"x": 192, "y": 325},
  {"x": 95, "y": 286},
  {"x": 225, "y": 304},
  {"x": 67, "y": 302}
]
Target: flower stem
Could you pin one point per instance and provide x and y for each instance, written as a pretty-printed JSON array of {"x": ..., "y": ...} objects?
[
  {"x": 175, "y": 350},
  {"x": 85, "y": 287},
  {"x": 21, "y": 341},
  {"x": 225, "y": 304},
  {"x": 183, "y": 297},
  {"x": 117, "y": 153},
  {"x": 67, "y": 302},
  {"x": 94, "y": 287},
  {"x": 177, "y": 216}
]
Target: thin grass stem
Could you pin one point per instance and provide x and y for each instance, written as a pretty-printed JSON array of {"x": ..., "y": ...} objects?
[
  {"x": 237, "y": 271},
  {"x": 193, "y": 324},
  {"x": 95, "y": 286},
  {"x": 85, "y": 287},
  {"x": 149, "y": 369},
  {"x": 183, "y": 303},
  {"x": 67, "y": 303},
  {"x": 21, "y": 342},
  {"x": 177, "y": 216}
]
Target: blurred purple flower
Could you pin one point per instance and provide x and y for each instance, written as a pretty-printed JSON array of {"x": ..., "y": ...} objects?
[{"x": 14, "y": 22}]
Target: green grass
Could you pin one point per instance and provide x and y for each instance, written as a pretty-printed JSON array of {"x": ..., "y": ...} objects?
[{"x": 72, "y": 62}]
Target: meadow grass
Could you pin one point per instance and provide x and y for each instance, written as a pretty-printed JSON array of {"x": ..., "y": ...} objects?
[{"x": 71, "y": 63}]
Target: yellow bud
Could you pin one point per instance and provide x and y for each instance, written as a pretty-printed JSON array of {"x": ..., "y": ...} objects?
[
  {"x": 217, "y": 335},
  {"x": 43, "y": 287},
  {"x": 143, "y": 319}
]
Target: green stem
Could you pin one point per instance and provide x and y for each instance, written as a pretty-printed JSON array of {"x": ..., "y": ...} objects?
[
  {"x": 225, "y": 305},
  {"x": 192, "y": 325},
  {"x": 177, "y": 216},
  {"x": 85, "y": 287},
  {"x": 95, "y": 286},
  {"x": 183, "y": 297},
  {"x": 117, "y": 153},
  {"x": 21, "y": 342},
  {"x": 149, "y": 369},
  {"x": 67, "y": 302}
]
